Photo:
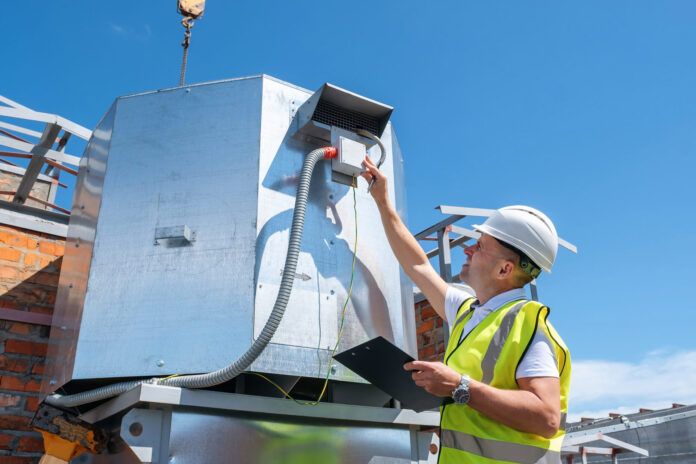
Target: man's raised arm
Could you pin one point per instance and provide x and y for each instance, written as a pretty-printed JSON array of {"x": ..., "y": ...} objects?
[{"x": 408, "y": 252}]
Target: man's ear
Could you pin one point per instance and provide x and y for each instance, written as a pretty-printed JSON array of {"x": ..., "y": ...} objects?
[{"x": 506, "y": 270}]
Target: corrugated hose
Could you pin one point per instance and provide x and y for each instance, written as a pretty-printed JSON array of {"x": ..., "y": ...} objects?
[{"x": 243, "y": 362}]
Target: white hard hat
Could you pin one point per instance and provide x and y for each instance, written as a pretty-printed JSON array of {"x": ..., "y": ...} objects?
[{"x": 527, "y": 229}]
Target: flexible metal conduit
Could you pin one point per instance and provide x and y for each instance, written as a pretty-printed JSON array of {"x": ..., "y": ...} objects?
[{"x": 240, "y": 365}]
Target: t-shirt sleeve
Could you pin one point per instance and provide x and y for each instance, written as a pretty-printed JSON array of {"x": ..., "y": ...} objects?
[
  {"x": 453, "y": 300},
  {"x": 539, "y": 360}
]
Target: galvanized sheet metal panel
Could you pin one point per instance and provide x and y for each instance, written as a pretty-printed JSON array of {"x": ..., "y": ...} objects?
[{"x": 220, "y": 162}]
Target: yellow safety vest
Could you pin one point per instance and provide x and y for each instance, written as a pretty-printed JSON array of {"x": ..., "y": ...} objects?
[{"x": 490, "y": 353}]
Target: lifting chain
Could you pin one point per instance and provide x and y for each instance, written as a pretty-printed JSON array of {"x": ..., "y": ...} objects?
[
  {"x": 187, "y": 22},
  {"x": 190, "y": 10}
]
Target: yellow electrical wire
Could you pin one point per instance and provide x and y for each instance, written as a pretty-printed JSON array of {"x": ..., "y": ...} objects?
[{"x": 341, "y": 324}]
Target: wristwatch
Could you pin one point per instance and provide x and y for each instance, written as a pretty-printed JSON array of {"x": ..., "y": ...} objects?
[{"x": 460, "y": 394}]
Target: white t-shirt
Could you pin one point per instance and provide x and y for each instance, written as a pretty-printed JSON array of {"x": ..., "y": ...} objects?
[{"x": 540, "y": 358}]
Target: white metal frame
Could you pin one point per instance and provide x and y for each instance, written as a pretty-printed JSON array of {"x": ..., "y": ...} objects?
[{"x": 47, "y": 151}]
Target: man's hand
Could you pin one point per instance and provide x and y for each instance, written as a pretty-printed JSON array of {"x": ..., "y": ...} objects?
[
  {"x": 379, "y": 189},
  {"x": 436, "y": 378}
]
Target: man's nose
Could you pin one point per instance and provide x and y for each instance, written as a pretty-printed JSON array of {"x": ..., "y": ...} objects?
[{"x": 469, "y": 251}]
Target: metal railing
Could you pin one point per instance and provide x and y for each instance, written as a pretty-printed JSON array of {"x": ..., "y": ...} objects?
[{"x": 45, "y": 151}]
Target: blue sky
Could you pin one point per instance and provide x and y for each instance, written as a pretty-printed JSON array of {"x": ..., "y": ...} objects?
[{"x": 586, "y": 111}]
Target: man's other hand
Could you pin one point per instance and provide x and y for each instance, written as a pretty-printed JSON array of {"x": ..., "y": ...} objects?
[{"x": 436, "y": 378}]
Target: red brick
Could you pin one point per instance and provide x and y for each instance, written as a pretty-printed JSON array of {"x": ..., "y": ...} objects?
[
  {"x": 43, "y": 278},
  {"x": 59, "y": 250},
  {"x": 8, "y": 401},
  {"x": 9, "y": 382},
  {"x": 8, "y": 422},
  {"x": 32, "y": 404},
  {"x": 427, "y": 312},
  {"x": 30, "y": 259},
  {"x": 438, "y": 322},
  {"x": 38, "y": 369},
  {"x": 20, "y": 328},
  {"x": 47, "y": 248},
  {"x": 427, "y": 351},
  {"x": 18, "y": 460},
  {"x": 25, "y": 347},
  {"x": 30, "y": 444},
  {"x": 6, "y": 443},
  {"x": 7, "y": 303},
  {"x": 41, "y": 309},
  {"x": 12, "y": 364},
  {"x": 32, "y": 244},
  {"x": 15, "y": 240},
  {"x": 425, "y": 326},
  {"x": 10, "y": 273},
  {"x": 8, "y": 254}
]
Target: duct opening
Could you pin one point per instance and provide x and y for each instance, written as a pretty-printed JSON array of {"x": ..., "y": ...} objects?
[
  {"x": 332, "y": 106},
  {"x": 332, "y": 114}
]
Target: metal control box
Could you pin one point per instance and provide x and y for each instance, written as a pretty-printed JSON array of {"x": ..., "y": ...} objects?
[{"x": 180, "y": 229}]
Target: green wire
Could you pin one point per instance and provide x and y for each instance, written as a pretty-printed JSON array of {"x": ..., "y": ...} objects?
[{"x": 341, "y": 324}]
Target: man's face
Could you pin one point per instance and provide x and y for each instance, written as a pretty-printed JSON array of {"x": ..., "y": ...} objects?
[{"x": 484, "y": 261}]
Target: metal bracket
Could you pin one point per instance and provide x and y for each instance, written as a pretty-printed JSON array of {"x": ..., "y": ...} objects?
[
  {"x": 141, "y": 430},
  {"x": 174, "y": 236}
]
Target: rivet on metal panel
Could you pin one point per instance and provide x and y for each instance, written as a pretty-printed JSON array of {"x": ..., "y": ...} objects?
[
  {"x": 331, "y": 197},
  {"x": 260, "y": 285},
  {"x": 160, "y": 362},
  {"x": 331, "y": 242},
  {"x": 433, "y": 448},
  {"x": 332, "y": 292},
  {"x": 333, "y": 368},
  {"x": 188, "y": 90}
]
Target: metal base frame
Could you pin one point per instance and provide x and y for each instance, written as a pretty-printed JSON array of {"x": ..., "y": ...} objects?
[{"x": 158, "y": 424}]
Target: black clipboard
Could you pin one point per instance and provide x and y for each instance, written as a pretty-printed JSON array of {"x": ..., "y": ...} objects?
[{"x": 382, "y": 364}]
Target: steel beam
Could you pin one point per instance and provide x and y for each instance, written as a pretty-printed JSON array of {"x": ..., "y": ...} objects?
[
  {"x": 445, "y": 254},
  {"x": 440, "y": 225},
  {"x": 38, "y": 153}
]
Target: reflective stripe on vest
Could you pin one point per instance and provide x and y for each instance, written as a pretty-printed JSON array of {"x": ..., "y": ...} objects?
[
  {"x": 493, "y": 353},
  {"x": 499, "y": 450}
]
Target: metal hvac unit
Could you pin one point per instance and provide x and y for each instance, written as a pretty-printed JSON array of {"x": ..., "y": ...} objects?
[{"x": 180, "y": 229}]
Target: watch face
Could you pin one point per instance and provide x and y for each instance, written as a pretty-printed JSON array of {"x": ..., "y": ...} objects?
[{"x": 460, "y": 394}]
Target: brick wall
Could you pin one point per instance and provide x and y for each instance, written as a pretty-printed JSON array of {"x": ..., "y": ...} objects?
[
  {"x": 431, "y": 339},
  {"x": 29, "y": 268}
]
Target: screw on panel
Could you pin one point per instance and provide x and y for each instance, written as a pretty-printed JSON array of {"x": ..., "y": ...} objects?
[
  {"x": 160, "y": 362},
  {"x": 135, "y": 429},
  {"x": 333, "y": 369}
]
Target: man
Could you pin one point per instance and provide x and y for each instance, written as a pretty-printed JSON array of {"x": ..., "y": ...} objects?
[{"x": 506, "y": 371}]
